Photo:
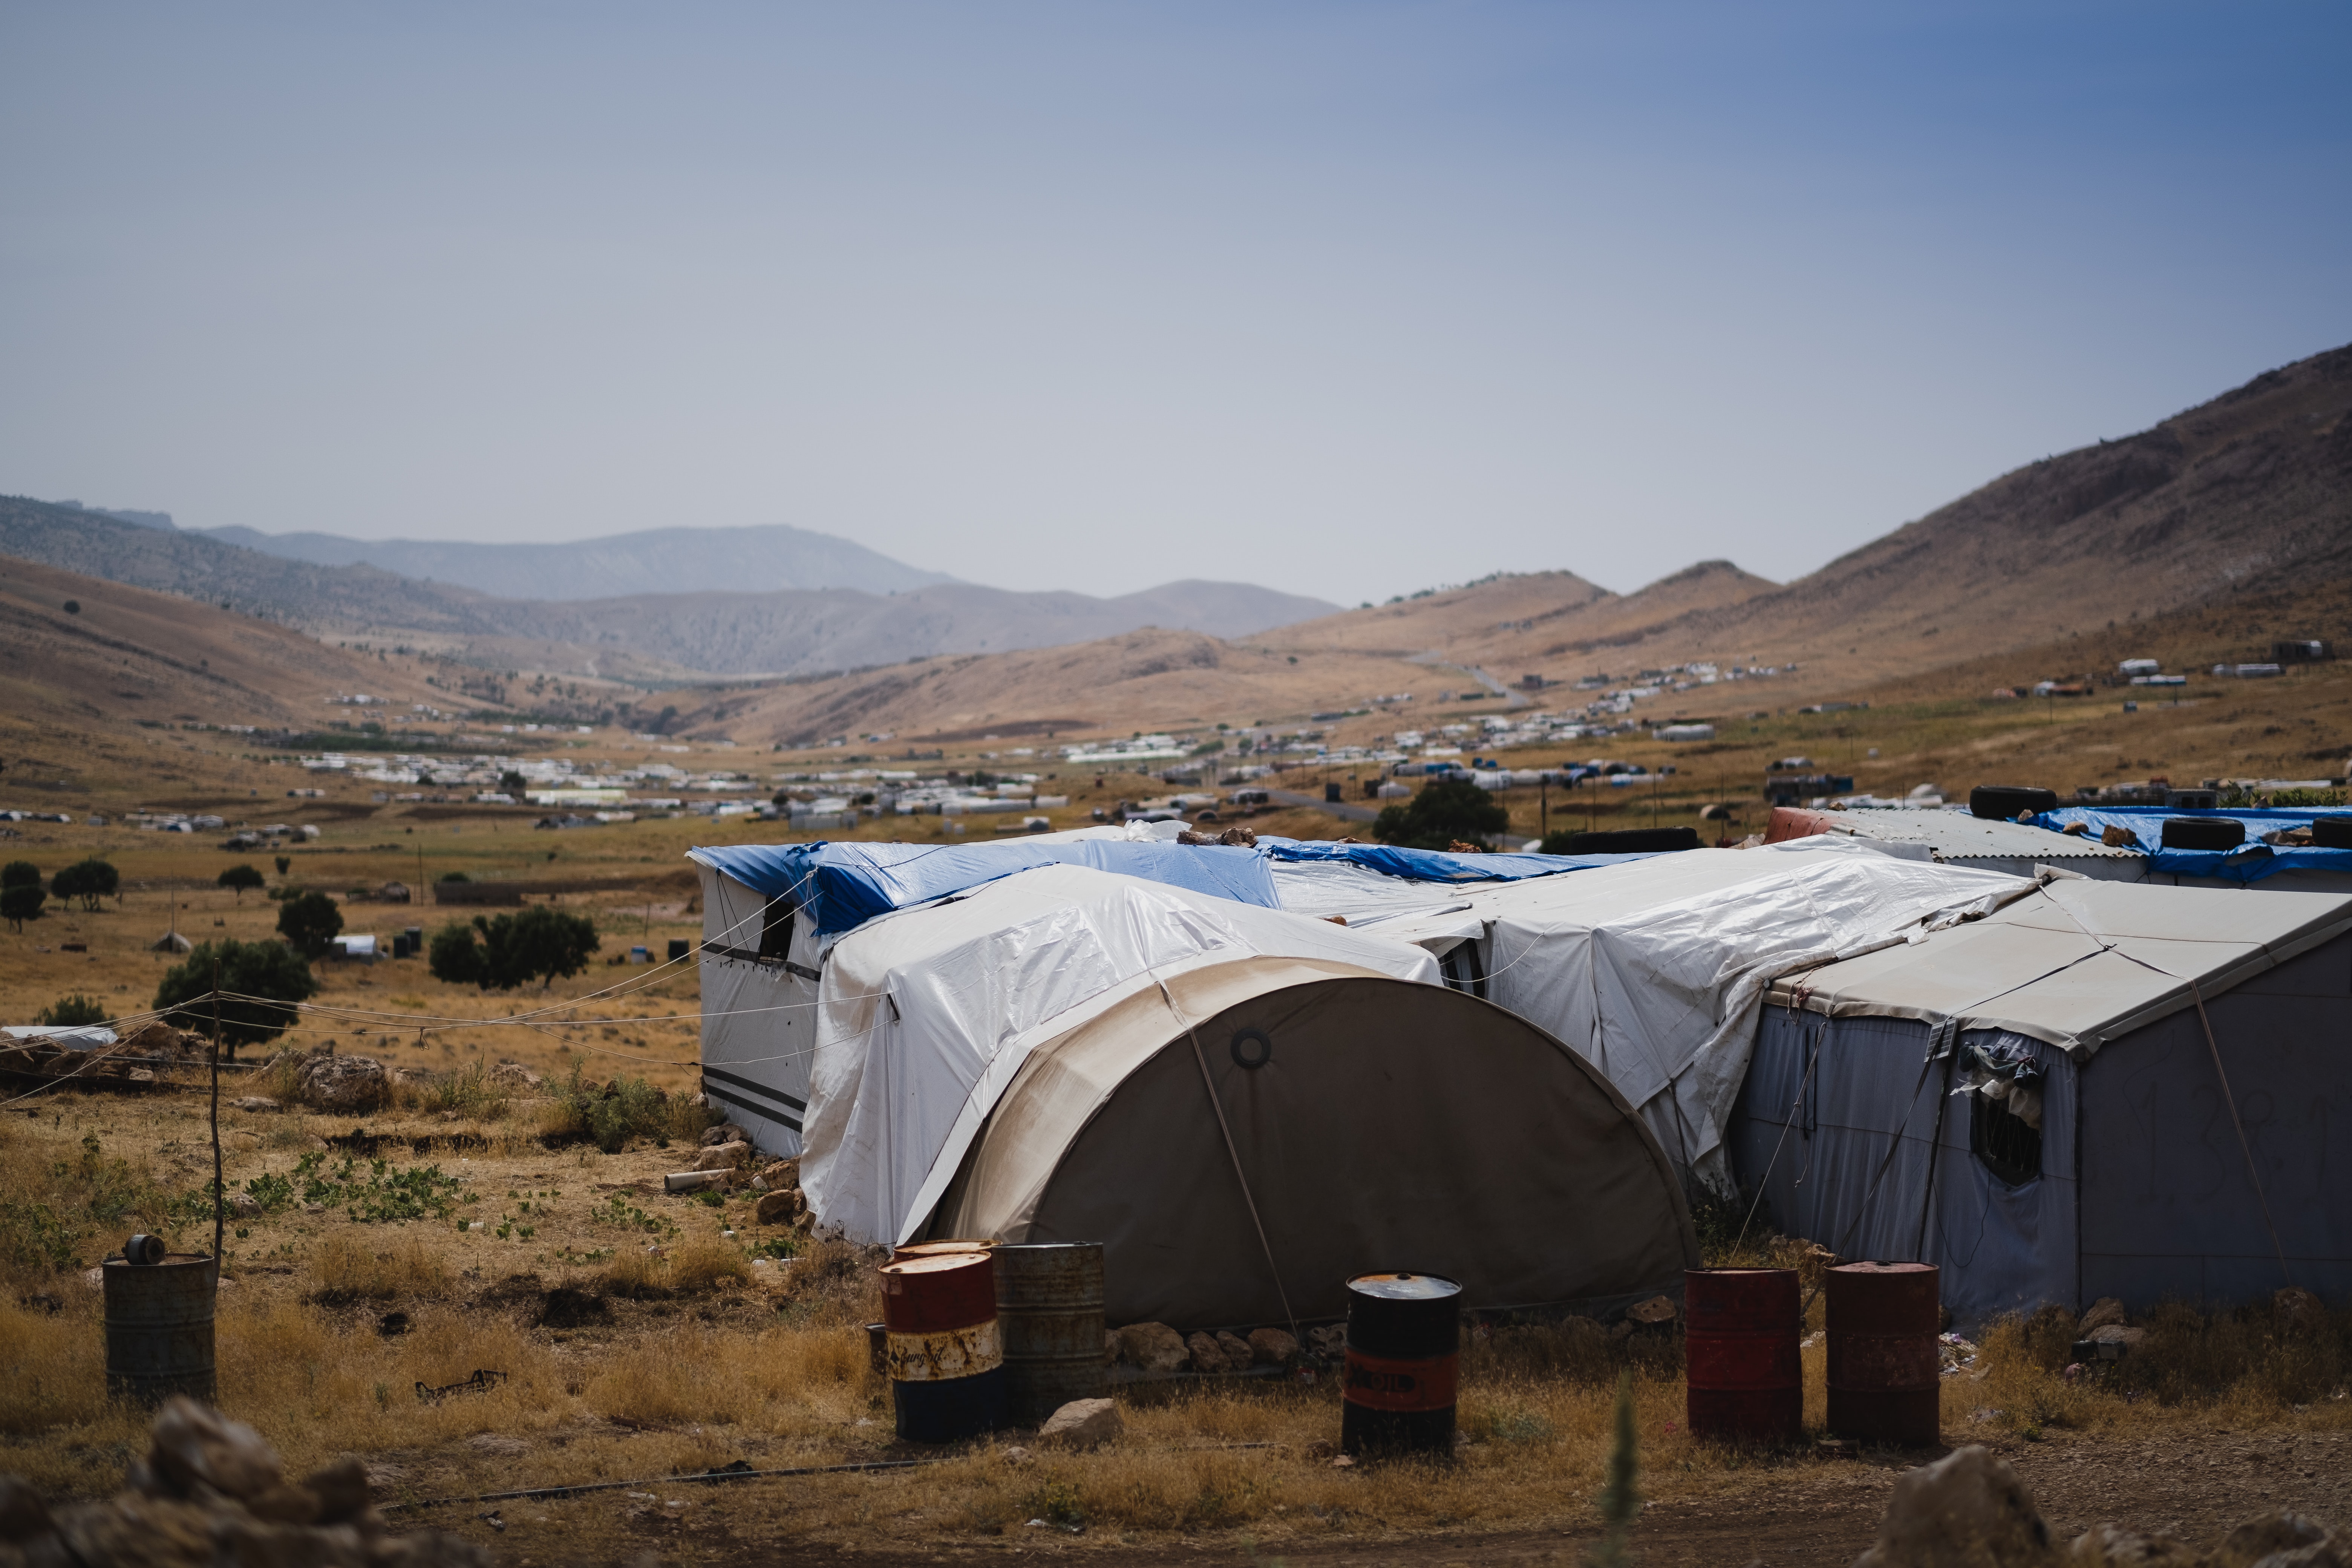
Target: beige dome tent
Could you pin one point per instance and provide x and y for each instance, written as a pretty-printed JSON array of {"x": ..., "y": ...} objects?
[{"x": 1373, "y": 1123}]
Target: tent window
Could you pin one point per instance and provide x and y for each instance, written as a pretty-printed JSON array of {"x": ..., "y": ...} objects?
[
  {"x": 2010, "y": 1146},
  {"x": 1462, "y": 970},
  {"x": 776, "y": 929}
]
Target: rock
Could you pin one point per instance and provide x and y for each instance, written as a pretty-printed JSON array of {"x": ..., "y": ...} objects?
[
  {"x": 2283, "y": 1540},
  {"x": 342, "y": 1083},
  {"x": 1346, "y": 1461},
  {"x": 2103, "y": 1311},
  {"x": 2117, "y": 1334},
  {"x": 2112, "y": 1546},
  {"x": 515, "y": 1076},
  {"x": 195, "y": 1446},
  {"x": 729, "y": 1156},
  {"x": 1207, "y": 1355},
  {"x": 253, "y": 1102},
  {"x": 1321, "y": 1448},
  {"x": 1656, "y": 1310},
  {"x": 1082, "y": 1424},
  {"x": 780, "y": 1208},
  {"x": 725, "y": 1132},
  {"x": 2300, "y": 1311},
  {"x": 1015, "y": 1455},
  {"x": 781, "y": 1173},
  {"x": 1240, "y": 836},
  {"x": 497, "y": 1442},
  {"x": 1154, "y": 1347},
  {"x": 1272, "y": 1347},
  {"x": 1330, "y": 1339},
  {"x": 1968, "y": 1510},
  {"x": 1236, "y": 1350},
  {"x": 245, "y": 1206}
]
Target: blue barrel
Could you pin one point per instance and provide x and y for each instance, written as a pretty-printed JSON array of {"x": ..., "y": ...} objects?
[{"x": 946, "y": 1358}]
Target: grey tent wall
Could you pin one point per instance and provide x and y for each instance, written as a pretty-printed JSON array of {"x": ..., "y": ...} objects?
[
  {"x": 2169, "y": 1208},
  {"x": 2001, "y": 1249}
]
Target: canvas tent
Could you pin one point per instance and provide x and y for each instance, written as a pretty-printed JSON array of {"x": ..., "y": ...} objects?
[
  {"x": 1374, "y": 1123},
  {"x": 2033, "y": 1101}
]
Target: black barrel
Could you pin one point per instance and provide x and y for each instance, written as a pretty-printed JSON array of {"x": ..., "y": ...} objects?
[
  {"x": 1049, "y": 1309},
  {"x": 1405, "y": 1352},
  {"x": 679, "y": 948},
  {"x": 159, "y": 1328},
  {"x": 1633, "y": 841},
  {"x": 2002, "y": 802}
]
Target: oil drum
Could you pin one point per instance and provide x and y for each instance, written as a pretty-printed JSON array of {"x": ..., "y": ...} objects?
[
  {"x": 1405, "y": 1352},
  {"x": 159, "y": 1328},
  {"x": 1049, "y": 1309},
  {"x": 947, "y": 1362},
  {"x": 1883, "y": 1365},
  {"x": 1746, "y": 1380},
  {"x": 936, "y": 1249}
]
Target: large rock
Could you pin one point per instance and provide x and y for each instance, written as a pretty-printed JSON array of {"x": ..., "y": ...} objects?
[
  {"x": 780, "y": 1208},
  {"x": 2283, "y": 1540},
  {"x": 1237, "y": 1353},
  {"x": 515, "y": 1076},
  {"x": 342, "y": 1084},
  {"x": 1272, "y": 1347},
  {"x": 2105, "y": 1312},
  {"x": 728, "y": 1156},
  {"x": 725, "y": 1132},
  {"x": 1207, "y": 1355},
  {"x": 1154, "y": 1347},
  {"x": 1968, "y": 1510},
  {"x": 1082, "y": 1424}
]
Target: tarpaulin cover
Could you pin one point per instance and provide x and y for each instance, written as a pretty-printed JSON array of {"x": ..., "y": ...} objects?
[
  {"x": 1437, "y": 865},
  {"x": 842, "y": 886},
  {"x": 2251, "y": 862},
  {"x": 923, "y": 1018},
  {"x": 1653, "y": 972}
]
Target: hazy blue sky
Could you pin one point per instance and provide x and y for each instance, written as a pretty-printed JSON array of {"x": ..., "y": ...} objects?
[{"x": 1344, "y": 298}]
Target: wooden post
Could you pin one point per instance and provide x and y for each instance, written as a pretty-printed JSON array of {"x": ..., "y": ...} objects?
[{"x": 220, "y": 1192}]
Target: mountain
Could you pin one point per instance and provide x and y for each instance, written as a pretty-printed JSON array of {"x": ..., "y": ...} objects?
[
  {"x": 641, "y": 637},
  {"x": 765, "y": 558}
]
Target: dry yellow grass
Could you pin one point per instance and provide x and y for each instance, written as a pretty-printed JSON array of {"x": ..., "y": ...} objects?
[{"x": 359, "y": 1268}]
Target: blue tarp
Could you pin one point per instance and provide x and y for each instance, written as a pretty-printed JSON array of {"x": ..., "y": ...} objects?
[
  {"x": 1437, "y": 864},
  {"x": 2251, "y": 862},
  {"x": 842, "y": 886}
]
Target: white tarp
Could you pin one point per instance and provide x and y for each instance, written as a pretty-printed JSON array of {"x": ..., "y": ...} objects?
[
  {"x": 758, "y": 1019},
  {"x": 923, "y": 1016},
  {"x": 1655, "y": 970},
  {"x": 2081, "y": 961}
]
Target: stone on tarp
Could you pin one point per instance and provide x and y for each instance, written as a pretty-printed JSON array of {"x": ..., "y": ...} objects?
[
  {"x": 1272, "y": 1347},
  {"x": 1082, "y": 1424},
  {"x": 1154, "y": 1347},
  {"x": 1968, "y": 1510},
  {"x": 340, "y": 1083}
]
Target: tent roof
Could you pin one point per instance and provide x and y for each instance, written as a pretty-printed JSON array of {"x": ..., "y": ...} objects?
[
  {"x": 842, "y": 886},
  {"x": 1953, "y": 835},
  {"x": 2250, "y": 863},
  {"x": 2077, "y": 963}
]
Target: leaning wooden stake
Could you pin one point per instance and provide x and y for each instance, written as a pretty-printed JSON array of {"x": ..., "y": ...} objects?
[{"x": 220, "y": 1194}]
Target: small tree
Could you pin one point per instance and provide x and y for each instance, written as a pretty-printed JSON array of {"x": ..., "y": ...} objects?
[
  {"x": 540, "y": 943},
  {"x": 71, "y": 1012},
  {"x": 239, "y": 877},
  {"x": 311, "y": 922},
  {"x": 20, "y": 874},
  {"x": 512, "y": 782},
  {"x": 22, "y": 902},
  {"x": 262, "y": 982},
  {"x": 284, "y": 865},
  {"x": 1448, "y": 812}
]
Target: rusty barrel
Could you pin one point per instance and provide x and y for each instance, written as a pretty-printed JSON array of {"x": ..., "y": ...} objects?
[
  {"x": 159, "y": 1328},
  {"x": 1746, "y": 1380},
  {"x": 947, "y": 1362},
  {"x": 936, "y": 1249},
  {"x": 1404, "y": 1351},
  {"x": 1049, "y": 1307},
  {"x": 1883, "y": 1366}
]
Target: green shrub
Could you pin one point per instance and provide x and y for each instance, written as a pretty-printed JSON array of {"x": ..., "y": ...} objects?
[
  {"x": 1448, "y": 812},
  {"x": 239, "y": 877},
  {"x": 610, "y": 1114},
  {"x": 89, "y": 880},
  {"x": 310, "y": 922},
  {"x": 20, "y": 874},
  {"x": 539, "y": 944},
  {"x": 22, "y": 902},
  {"x": 266, "y": 978},
  {"x": 72, "y": 1012}
]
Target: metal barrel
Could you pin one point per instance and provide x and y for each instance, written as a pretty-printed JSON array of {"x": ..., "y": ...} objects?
[
  {"x": 1404, "y": 1353},
  {"x": 159, "y": 1328},
  {"x": 877, "y": 1347},
  {"x": 946, "y": 1358},
  {"x": 1883, "y": 1366},
  {"x": 679, "y": 948},
  {"x": 1746, "y": 1380},
  {"x": 1049, "y": 1307},
  {"x": 937, "y": 1250}
]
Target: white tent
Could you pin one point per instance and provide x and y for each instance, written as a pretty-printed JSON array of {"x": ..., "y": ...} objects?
[{"x": 923, "y": 1016}]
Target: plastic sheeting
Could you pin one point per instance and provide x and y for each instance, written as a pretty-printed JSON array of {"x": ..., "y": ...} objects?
[
  {"x": 1434, "y": 865},
  {"x": 2252, "y": 862},
  {"x": 1871, "y": 1156},
  {"x": 924, "y": 1017},
  {"x": 759, "y": 1016},
  {"x": 842, "y": 886},
  {"x": 1654, "y": 971}
]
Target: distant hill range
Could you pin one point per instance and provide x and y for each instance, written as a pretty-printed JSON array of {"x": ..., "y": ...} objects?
[{"x": 843, "y": 617}]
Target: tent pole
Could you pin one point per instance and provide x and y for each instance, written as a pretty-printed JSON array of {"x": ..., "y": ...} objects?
[
  {"x": 1935, "y": 1154},
  {"x": 2254, "y": 1173},
  {"x": 1193, "y": 1033}
]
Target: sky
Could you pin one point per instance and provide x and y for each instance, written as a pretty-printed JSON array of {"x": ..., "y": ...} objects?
[{"x": 1347, "y": 299}]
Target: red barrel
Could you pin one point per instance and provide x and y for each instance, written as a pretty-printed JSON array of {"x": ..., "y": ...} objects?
[
  {"x": 946, "y": 1361},
  {"x": 1404, "y": 1354},
  {"x": 935, "y": 1249},
  {"x": 1746, "y": 1380},
  {"x": 1883, "y": 1365}
]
